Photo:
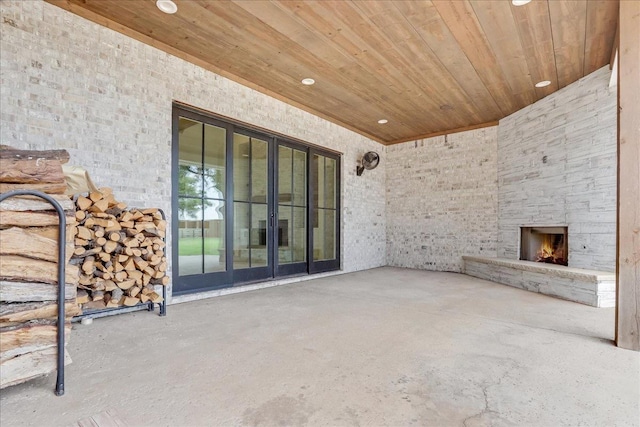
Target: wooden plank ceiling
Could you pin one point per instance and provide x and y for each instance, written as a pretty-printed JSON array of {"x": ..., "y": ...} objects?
[{"x": 428, "y": 67}]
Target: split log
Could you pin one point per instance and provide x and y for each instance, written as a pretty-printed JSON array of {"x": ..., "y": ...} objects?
[
  {"x": 18, "y": 268},
  {"x": 48, "y": 188},
  {"x": 84, "y": 233},
  {"x": 81, "y": 243},
  {"x": 116, "y": 294},
  {"x": 24, "y": 312},
  {"x": 26, "y": 292},
  {"x": 32, "y": 203},
  {"x": 88, "y": 266},
  {"x": 97, "y": 296},
  {"x": 135, "y": 275},
  {"x": 110, "y": 246},
  {"x": 50, "y": 232},
  {"x": 82, "y": 297},
  {"x": 155, "y": 298},
  {"x": 94, "y": 305},
  {"x": 19, "y": 241},
  {"x": 33, "y": 219},
  {"x": 124, "y": 285},
  {"x": 99, "y": 206},
  {"x": 129, "y": 301},
  {"x": 32, "y": 167},
  {"x": 83, "y": 203},
  {"x": 162, "y": 281},
  {"x": 25, "y": 339},
  {"x": 31, "y": 365}
]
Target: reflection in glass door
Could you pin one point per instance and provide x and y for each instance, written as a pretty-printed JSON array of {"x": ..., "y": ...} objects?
[
  {"x": 201, "y": 195},
  {"x": 291, "y": 233},
  {"x": 253, "y": 218}
]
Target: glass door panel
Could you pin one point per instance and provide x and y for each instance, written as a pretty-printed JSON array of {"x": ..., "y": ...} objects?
[
  {"x": 330, "y": 183},
  {"x": 329, "y": 234},
  {"x": 291, "y": 233},
  {"x": 285, "y": 186},
  {"x": 324, "y": 215},
  {"x": 190, "y": 251},
  {"x": 259, "y": 171},
  {"x": 299, "y": 235},
  {"x": 241, "y": 167},
  {"x": 252, "y": 217},
  {"x": 201, "y": 172},
  {"x": 214, "y": 178},
  {"x": 259, "y": 235},
  {"x": 299, "y": 178},
  {"x": 214, "y": 237},
  {"x": 241, "y": 247},
  {"x": 285, "y": 234}
]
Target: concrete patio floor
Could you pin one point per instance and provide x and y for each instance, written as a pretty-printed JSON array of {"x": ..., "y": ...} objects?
[{"x": 387, "y": 346}]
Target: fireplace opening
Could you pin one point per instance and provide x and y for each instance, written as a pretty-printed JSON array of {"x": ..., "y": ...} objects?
[{"x": 544, "y": 244}]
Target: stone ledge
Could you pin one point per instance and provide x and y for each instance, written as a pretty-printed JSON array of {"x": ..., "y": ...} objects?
[{"x": 591, "y": 287}]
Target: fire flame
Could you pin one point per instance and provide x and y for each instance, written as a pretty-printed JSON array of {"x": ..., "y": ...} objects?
[{"x": 547, "y": 252}]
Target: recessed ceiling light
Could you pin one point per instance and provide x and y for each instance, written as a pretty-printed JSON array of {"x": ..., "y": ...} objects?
[
  {"x": 383, "y": 121},
  {"x": 167, "y": 6},
  {"x": 519, "y": 2},
  {"x": 543, "y": 83},
  {"x": 308, "y": 81}
]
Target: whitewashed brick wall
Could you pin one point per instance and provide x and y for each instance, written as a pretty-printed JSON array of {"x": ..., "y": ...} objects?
[
  {"x": 557, "y": 166},
  {"x": 442, "y": 200},
  {"x": 106, "y": 98},
  {"x": 67, "y": 83}
]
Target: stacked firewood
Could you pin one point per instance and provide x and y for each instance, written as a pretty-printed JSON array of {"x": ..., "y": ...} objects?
[
  {"x": 120, "y": 252},
  {"x": 28, "y": 264}
]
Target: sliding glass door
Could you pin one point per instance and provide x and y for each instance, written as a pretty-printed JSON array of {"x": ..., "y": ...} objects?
[
  {"x": 249, "y": 206},
  {"x": 200, "y": 185},
  {"x": 291, "y": 233},
  {"x": 324, "y": 213},
  {"x": 252, "y": 208}
]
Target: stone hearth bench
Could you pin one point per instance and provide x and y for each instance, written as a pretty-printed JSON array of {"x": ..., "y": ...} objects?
[{"x": 594, "y": 288}]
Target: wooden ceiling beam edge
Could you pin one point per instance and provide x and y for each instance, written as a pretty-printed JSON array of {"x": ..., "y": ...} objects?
[
  {"x": 114, "y": 26},
  {"x": 445, "y": 132}
]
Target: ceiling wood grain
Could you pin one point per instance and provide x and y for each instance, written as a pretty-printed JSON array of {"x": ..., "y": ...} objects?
[{"x": 428, "y": 67}]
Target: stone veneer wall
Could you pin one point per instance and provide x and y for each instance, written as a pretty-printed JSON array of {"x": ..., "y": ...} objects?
[
  {"x": 68, "y": 83},
  {"x": 557, "y": 166},
  {"x": 442, "y": 200}
]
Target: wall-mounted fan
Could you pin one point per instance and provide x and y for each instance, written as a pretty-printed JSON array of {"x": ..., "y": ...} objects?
[{"x": 369, "y": 161}]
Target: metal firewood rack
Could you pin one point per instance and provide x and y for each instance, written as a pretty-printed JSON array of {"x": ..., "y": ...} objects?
[
  {"x": 149, "y": 306},
  {"x": 62, "y": 238}
]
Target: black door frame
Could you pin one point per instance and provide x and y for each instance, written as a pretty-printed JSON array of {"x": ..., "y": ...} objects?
[
  {"x": 205, "y": 281},
  {"x": 253, "y": 274},
  {"x": 230, "y": 277},
  {"x": 290, "y": 269},
  {"x": 333, "y": 264}
]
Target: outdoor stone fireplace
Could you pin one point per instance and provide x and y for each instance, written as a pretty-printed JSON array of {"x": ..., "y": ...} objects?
[{"x": 544, "y": 244}]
